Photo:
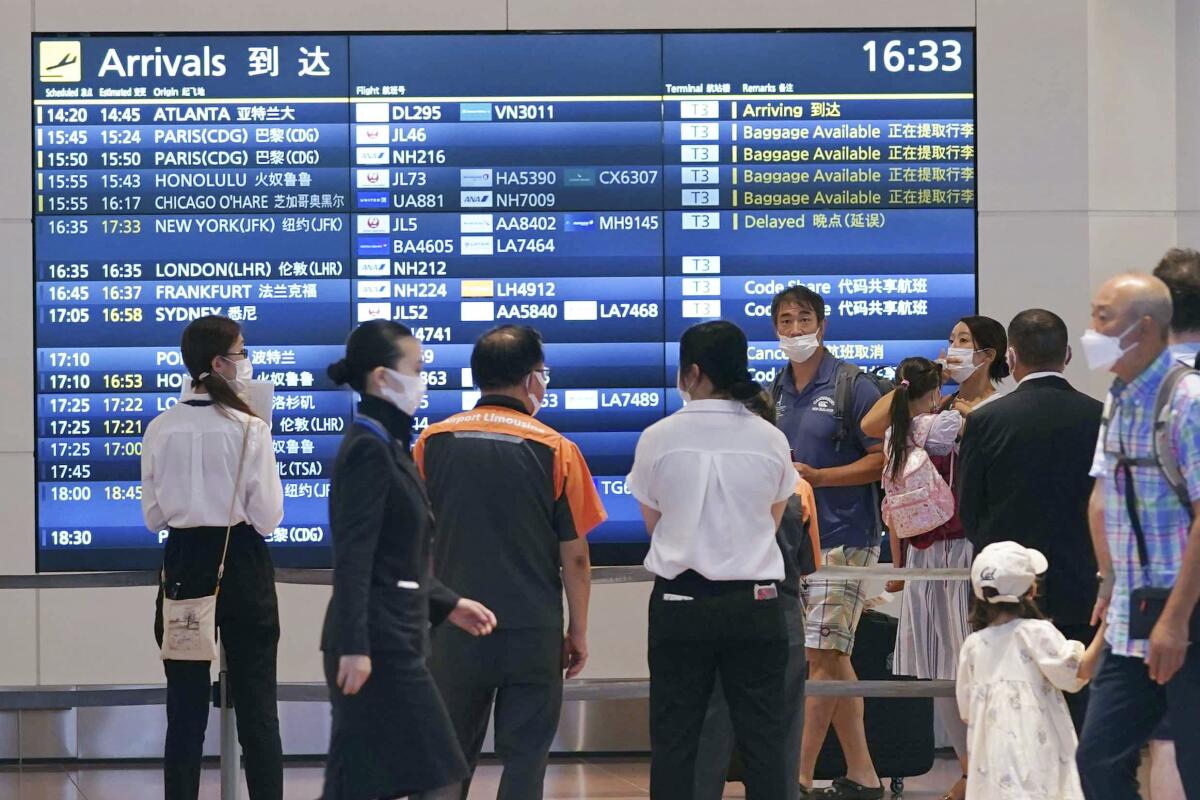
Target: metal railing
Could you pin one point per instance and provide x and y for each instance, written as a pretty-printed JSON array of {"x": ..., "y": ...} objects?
[
  {"x": 324, "y": 577},
  {"x": 54, "y": 698}
]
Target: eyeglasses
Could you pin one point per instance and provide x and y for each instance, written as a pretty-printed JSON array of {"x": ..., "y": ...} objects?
[{"x": 242, "y": 353}]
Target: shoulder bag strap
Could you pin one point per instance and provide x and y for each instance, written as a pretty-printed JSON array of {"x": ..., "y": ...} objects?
[
  {"x": 237, "y": 481},
  {"x": 1131, "y": 507}
]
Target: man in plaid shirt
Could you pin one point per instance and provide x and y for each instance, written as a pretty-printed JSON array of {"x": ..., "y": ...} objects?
[{"x": 1142, "y": 681}]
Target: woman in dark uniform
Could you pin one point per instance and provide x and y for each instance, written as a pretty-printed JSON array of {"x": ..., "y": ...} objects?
[{"x": 391, "y": 734}]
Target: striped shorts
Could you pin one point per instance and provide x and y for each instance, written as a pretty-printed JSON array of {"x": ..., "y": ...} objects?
[{"x": 833, "y": 607}]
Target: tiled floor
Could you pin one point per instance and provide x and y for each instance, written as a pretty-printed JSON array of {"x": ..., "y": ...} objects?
[{"x": 610, "y": 778}]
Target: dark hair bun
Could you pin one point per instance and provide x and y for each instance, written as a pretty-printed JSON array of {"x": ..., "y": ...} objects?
[
  {"x": 339, "y": 372},
  {"x": 744, "y": 389}
]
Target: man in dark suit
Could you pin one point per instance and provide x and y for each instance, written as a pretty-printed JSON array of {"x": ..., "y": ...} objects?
[{"x": 1024, "y": 469}]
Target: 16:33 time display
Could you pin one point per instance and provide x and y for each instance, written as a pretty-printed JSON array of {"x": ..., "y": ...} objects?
[{"x": 928, "y": 56}]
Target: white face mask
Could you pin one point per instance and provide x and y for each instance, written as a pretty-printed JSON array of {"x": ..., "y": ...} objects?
[
  {"x": 243, "y": 372},
  {"x": 684, "y": 394},
  {"x": 405, "y": 392},
  {"x": 960, "y": 363},
  {"x": 799, "y": 348},
  {"x": 544, "y": 380},
  {"x": 1103, "y": 351}
]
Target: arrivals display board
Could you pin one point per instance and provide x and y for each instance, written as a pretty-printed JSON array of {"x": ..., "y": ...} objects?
[{"x": 610, "y": 189}]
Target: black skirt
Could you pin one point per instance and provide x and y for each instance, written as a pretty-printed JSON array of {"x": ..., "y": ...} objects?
[{"x": 392, "y": 739}]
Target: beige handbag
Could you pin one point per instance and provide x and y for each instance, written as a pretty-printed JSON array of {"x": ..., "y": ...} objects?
[{"x": 190, "y": 626}]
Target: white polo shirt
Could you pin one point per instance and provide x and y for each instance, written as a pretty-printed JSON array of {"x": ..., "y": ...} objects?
[{"x": 713, "y": 470}]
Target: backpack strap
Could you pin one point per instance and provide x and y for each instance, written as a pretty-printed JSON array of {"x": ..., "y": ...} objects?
[
  {"x": 1164, "y": 453},
  {"x": 843, "y": 399},
  {"x": 918, "y": 437}
]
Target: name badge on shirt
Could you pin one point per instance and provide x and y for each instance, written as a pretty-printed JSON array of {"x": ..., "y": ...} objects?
[{"x": 767, "y": 592}]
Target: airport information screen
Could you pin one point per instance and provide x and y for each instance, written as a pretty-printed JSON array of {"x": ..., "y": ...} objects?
[{"x": 609, "y": 189}]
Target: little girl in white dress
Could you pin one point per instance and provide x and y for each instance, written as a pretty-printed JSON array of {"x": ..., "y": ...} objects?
[{"x": 1011, "y": 675}]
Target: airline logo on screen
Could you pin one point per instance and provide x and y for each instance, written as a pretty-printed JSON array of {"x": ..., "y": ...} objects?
[{"x": 59, "y": 61}]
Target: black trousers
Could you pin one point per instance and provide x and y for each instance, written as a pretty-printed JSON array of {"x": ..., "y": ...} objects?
[
  {"x": 517, "y": 672},
  {"x": 717, "y": 742},
  {"x": 1126, "y": 708},
  {"x": 1077, "y": 702},
  {"x": 248, "y": 627},
  {"x": 723, "y": 633}
]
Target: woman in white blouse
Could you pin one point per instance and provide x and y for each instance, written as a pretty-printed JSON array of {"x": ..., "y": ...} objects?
[
  {"x": 190, "y": 457},
  {"x": 713, "y": 480}
]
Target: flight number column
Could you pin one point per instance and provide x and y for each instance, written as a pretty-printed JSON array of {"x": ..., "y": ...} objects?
[{"x": 473, "y": 213}]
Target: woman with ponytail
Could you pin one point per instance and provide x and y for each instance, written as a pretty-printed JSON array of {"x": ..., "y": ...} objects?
[
  {"x": 209, "y": 478},
  {"x": 713, "y": 480},
  {"x": 934, "y": 616},
  {"x": 391, "y": 734}
]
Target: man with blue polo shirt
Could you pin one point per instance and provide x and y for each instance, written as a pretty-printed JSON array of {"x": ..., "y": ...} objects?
[{"x": 842, "y": 464}]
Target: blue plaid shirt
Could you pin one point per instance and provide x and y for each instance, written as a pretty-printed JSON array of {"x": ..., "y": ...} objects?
[{"x": 1165, "y": 522}]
